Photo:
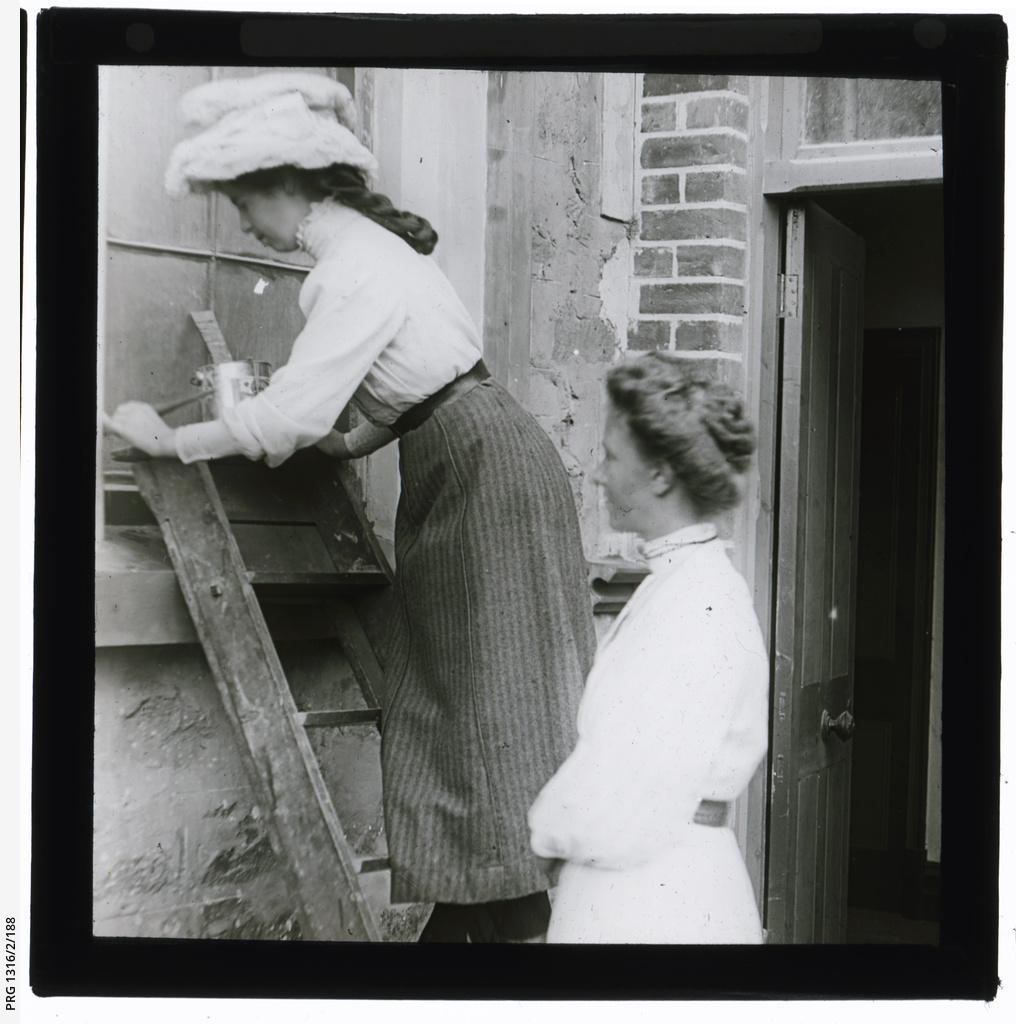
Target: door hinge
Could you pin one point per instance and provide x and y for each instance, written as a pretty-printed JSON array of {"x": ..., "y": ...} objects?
[{"x": 788, "y": 296}]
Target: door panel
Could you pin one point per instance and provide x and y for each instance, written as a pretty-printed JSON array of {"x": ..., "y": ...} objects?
[
  {"x": 806, "y": 873},
  {"x": 836, "y": 849},
  {"x": 815, "y": 584}
]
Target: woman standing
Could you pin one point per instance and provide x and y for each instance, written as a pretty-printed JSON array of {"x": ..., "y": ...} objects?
[
  {"x": 492, "y": 630},
  {"x": 673, "y": 721}
]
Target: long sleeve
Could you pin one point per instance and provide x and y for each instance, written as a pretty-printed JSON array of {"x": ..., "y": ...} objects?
[
  {"x": 352, "y": 313},
  {"x": 661, "y": 701}
]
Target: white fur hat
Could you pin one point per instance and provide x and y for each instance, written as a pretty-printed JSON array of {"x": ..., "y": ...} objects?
[{"x": 251, "y": 124}]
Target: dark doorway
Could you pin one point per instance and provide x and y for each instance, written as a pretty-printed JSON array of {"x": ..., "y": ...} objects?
[
  {"x": 892, "y": 889},
  {"x": 892, "y": 846}
]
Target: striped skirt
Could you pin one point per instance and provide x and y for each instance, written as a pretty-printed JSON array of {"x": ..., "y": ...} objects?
[{"x": 492, "y": 638}]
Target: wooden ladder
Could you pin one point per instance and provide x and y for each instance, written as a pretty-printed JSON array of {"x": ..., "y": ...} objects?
[{"x": 239, "y": 534}]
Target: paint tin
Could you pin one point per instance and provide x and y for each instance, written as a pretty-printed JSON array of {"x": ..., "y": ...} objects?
[{"x": 224, "y": 385}]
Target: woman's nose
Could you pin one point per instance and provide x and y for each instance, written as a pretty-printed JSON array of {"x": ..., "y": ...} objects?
[{"x": 597, "y": 475}]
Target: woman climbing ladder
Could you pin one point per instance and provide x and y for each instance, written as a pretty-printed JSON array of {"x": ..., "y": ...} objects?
[{"x": 492, "y": 632}]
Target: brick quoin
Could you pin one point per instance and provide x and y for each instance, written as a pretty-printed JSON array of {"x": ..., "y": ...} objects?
[
  {"x": 694, "y": 151},
  {"x": 668, "y": 85},
  {"x": 659, "y": 117},
  {"x": 699, "y": 335},
  {"x": 648, "y": 335},
  {"x": 709, "y": 261},
  {"x": 707, "y": 186},
  {"x": 717, "y": 111},
  {"x": 661, "y": 225},
  {"x": 707, "y": 297},
  {"x": 697, "y": 280},
  {"x": 723, "y": 371},
  {"x": 661, "y": 188},
  {"x": 654, "y": 263}
]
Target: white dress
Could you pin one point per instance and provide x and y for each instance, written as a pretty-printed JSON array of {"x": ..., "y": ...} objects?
[{"x": 674, "y": 712}]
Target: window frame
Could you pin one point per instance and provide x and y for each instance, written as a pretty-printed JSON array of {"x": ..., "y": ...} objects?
[{"x": 797, "y": 166}]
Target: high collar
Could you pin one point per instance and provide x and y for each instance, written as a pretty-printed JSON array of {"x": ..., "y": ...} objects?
[
  {"x": 665, "y": 552},
  {"x": 323, "y": 225}
]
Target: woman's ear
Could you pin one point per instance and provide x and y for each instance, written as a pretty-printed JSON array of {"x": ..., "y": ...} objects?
[{"x": 662, "y": 480}]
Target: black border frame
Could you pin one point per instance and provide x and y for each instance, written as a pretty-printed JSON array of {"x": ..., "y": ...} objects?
[{"x": 970, "y": 60}]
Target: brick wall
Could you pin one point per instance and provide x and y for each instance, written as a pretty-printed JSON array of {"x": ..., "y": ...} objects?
[{"x": 689, "y": 258}]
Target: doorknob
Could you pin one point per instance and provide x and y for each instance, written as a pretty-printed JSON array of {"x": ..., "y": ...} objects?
[{"x": 842, "y": 725}]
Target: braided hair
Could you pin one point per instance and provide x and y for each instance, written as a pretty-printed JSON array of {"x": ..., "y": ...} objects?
[
  {"x": 680, "y": 415},
  {"x": 348, "y": 185}
]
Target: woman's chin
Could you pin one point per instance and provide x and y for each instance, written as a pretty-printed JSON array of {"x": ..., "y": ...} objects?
[{"x": 620, "y": 524}]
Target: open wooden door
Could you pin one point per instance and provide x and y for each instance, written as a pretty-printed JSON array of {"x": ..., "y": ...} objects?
[{"x": 815, "y": 579}]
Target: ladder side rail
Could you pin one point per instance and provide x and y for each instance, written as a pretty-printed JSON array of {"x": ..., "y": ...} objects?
[{"x": 321, "y": 869}]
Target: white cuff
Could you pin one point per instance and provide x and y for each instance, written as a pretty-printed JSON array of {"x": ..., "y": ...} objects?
[{"x": 212, "y": 440}]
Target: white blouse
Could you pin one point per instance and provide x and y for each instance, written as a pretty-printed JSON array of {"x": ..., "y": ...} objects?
[
  {"x": 674, "y": 712},
  {"x": 384, "y": 328}
]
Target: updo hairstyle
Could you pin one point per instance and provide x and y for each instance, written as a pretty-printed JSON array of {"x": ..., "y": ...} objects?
[
  {"x": 680, "y": 416},
  {"x": 348, "y": 185}
]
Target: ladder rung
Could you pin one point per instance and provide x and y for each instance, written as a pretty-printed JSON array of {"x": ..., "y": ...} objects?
[
  {"x": 369, "y": 864},
  {"x": 351, "y": 716},
  {"x": 317, "y": 580}
]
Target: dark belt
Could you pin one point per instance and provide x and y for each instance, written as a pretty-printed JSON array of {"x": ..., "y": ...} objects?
[
  {"x": 712, "y": 812},
  {"x": 421, "y": 412}
]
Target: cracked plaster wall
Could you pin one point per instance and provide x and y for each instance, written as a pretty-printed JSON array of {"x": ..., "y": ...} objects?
[
  {"x": 181, "y": 846},
  {"x": 557, "y": 271}
]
